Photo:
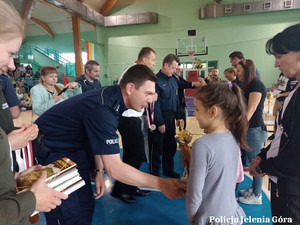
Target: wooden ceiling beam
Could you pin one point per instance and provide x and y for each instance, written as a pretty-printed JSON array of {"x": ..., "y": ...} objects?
[
  {"x": 70, "y": 14},
  {"x": 108, "y": 6},
  {"x": 77, "y": 45},
  {"x": 30, "y": 4},
  {"x": 43, "y": 25}
]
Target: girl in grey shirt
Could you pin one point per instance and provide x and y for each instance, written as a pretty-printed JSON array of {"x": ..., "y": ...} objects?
[{"x": 221, "y": 111}]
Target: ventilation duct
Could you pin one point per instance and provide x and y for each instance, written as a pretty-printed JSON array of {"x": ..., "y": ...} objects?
[
  {"x": 218, "y": 10},
  {"x": 75, "y": 7},
  {"x": 139, "y": 18},
  {"x": 82, "y": 11}
]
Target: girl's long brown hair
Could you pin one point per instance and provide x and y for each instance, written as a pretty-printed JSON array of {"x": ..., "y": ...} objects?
[{"x": 229, "y": 98}]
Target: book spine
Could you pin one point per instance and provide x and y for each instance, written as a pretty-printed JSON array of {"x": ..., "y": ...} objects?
[
  {"x": 62, "y": 178},
  {"x": 74, "y": 187},
  {"x": 67, "y": 183}
]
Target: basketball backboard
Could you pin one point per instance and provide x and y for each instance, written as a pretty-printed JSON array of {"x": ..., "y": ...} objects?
[{"x": 191, "y": 46}]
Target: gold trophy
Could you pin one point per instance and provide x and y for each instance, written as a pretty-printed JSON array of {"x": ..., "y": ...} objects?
[{"x": 183, "y": 138}]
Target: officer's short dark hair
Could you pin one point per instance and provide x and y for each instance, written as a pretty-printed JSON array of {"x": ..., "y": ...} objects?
[
  {"x": 138, "y": 75},
  {"x": 237, "y": 54},
  {"x": 169, "y": 59},
  {"x": 89, "y": 65},
  {"x": 145, "y": 53}
]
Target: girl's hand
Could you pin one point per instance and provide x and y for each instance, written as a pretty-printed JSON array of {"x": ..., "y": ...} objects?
[
  {"x": 202, "y": 82},
  {"x": 172, "y": 188}
]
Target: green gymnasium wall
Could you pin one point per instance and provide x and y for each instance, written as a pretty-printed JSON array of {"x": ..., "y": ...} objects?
[
  {"x": 64, "y": 43},
  {"x": 117, "y": 47},
  {"x": 247, "y": 33}
]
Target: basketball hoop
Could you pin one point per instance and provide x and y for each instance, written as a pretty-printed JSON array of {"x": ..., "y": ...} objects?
[{"x": 191, "y": 53}]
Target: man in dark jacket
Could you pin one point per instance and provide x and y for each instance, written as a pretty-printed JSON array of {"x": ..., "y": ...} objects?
[
  {"x": 89, "y": 80},
  {"x": 183, "y": 84},
  {"x": 166, "y": 110}
]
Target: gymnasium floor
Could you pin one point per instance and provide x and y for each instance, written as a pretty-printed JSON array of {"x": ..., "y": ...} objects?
[{"x": 156, "y": 209}]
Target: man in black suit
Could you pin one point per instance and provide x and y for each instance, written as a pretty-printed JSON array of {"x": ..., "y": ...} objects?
[
  {"x": 132, "y": 129},
  {"x": 183, "y": 84}
]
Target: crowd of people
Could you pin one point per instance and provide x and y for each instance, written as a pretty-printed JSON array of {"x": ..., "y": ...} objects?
[
  {"x": 22, "y": 77},
  {"x": 79, "y": 120}
]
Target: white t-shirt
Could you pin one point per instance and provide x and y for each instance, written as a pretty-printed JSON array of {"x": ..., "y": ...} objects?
[
  {"x": 283, "y": 81},
  {"x": 130, "y": 112}
]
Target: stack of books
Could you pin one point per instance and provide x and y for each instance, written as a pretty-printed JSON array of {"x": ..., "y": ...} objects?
[{"x": 62, "y": 175}]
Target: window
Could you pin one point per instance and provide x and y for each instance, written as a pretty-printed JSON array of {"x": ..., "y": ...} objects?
[
  {"x": 84, "y": 57},
  {"x": 207, "y": 66},
  {"x": 51, "y": 55},
  {"x": 68, "y": 56},
  {"x": 71, "y": 57}
]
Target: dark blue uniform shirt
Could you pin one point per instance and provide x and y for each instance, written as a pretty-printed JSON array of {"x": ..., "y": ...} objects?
[
  {"x": 85, "y": 121},
  {"x": 86, "y": 85},
  {"x": 167, "y": 91},
  {"x": 9, "y": 91}
]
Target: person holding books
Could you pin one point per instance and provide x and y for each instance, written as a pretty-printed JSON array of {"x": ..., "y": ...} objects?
[
  {"x": 86, "y": 125},
  {"x": 17, "y": 208}
]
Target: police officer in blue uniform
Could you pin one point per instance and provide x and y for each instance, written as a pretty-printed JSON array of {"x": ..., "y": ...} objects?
[
  {"x": 10, "y": 96},
  {"x": 166, "y": 110},
  {"x": 89, "y": 122}
]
